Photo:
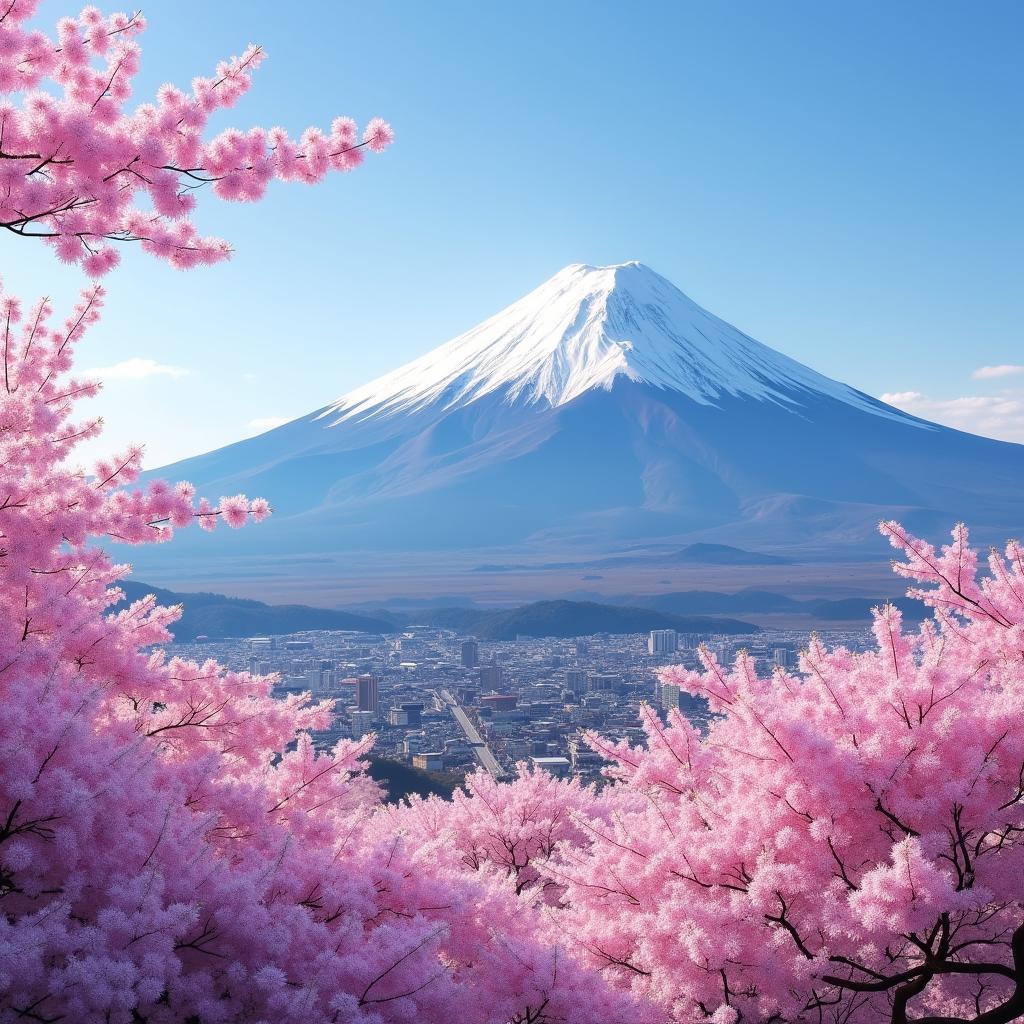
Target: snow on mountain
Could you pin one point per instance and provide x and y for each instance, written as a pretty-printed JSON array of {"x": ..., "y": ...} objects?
[{"x": 579, "y": 331}]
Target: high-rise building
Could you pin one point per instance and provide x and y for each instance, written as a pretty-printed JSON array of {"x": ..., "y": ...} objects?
[
  {"x": 367, "y": 694},
  {"x": 606, "y": 681},
  {"x": 781, "y": 657},
  {"x": 663, "y": 641},
  {"x": 670, "y": 697},
  {"x": 362, "y": 723},
  {"x": 414, "y": 713},
  {"x": 576, "y": 681},
  {"x": 470, "y": 653},
  {"x": 490, "y": 676}
]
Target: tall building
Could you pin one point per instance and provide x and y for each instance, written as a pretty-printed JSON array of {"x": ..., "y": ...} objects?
[
  {"x": 669, "y": 697},
  {"x": 490, "y": 677},
  {"x": 362, "y": 723},
  {"x": 603, "y": 681},
  {"x": 410, "y": 714},
  {"x": 367, "y": 694},
  {"x": 663, "y": 641},
  {"x": 576, "y": 681},
  {"x": 470, "y": 653}
]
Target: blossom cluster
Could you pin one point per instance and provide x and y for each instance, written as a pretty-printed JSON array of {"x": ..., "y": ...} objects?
[
  {"x": 172, "y": 847},
  {"x": 844, "y": 842},
  {"x": 83, "y": 172}
]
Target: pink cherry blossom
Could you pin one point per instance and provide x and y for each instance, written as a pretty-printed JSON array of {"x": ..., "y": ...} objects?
[
  {"x": 172, "y": 847},
  {"x": 845, "y": 843},
  {"x": 86, "y": 174}
]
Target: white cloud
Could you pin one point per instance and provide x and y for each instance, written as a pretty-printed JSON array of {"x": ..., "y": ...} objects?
[
  {"x": 1000, "y": 416},
  {"x": 900, "y": 398},
  {"x": 992, "y": 372},
  {"x": 267, "y": 423},
  {"x": 136, "y": 368}
]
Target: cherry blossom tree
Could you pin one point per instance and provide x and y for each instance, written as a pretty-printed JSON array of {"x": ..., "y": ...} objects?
[
  {"x": 845, "y": 843},
  {"x": 172, "y": 847},
  {"x": 511, "y": 830},
  {"x": 842, "y": 844},
  {"x": 82, "y": 172}
]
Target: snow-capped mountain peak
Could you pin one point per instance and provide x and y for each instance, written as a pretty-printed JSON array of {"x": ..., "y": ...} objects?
[
  {"x": 579, "y": 331},
  {"x": 602, "y": 415}
]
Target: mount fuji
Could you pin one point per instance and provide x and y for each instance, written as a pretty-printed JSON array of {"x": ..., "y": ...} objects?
[{"x": 603, "y": 413}]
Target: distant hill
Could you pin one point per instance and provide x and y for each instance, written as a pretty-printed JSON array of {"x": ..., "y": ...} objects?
[
  {"x": 573, "y": 618},
  {"x": 722, "y": 554},
  {"x": 708, "y": 602},
  {"x": 217, "y": 616}
]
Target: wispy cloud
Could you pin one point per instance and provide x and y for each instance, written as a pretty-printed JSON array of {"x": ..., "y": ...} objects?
[
  {"x": 1000, "y": 416},
  {"x": 136, "y": 368},
  {"x": 267, "y": 423},
  {"x": 993, "y": 372}
]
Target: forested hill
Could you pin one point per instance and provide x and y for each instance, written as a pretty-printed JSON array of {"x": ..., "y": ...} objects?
[
  {"x": 215, "y": 615},
  {"x": 573, "y": 618}
]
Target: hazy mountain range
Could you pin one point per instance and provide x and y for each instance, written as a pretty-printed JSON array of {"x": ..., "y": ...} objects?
[{"x": 217, "y": 616}]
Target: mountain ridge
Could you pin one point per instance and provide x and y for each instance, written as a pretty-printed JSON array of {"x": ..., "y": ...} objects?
[{"x": 579, "y": 331}]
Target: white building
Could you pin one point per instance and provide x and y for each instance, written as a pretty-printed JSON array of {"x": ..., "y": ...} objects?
[
  {"x": 663, "y": 641},
  {"x": 670, "y": 696},
  {"x": 557, "y": 766}
]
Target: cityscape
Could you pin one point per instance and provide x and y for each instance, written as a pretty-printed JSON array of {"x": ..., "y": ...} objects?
[
  {"x": 442, "y": 702},
  {"x": 554, "y": 563}
]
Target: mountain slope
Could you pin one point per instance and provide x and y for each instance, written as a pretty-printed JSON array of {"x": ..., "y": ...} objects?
[{"x": 604, "y": 414}]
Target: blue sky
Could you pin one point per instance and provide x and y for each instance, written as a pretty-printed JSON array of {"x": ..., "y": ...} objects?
[{"x": 841, "y": 181}]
